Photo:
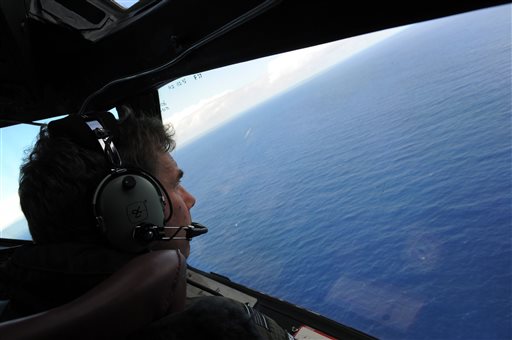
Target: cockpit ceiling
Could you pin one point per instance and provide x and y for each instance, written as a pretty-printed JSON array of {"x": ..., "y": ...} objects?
[{"x": 55, "y": 53}]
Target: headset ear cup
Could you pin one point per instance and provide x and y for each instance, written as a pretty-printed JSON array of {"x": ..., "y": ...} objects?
[{"x": 124, "y": 200}]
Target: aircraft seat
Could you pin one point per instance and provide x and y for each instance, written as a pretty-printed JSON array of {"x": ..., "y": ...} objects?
[{"x": 145, "y": 289}]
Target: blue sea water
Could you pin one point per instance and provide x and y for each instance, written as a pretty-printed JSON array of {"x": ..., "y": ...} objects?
[{"x": 378, "y": 193}]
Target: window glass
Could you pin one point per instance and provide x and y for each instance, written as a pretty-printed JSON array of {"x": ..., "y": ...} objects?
[
  {"x": 14, "y": 141},
  {"x": 368, "y": 180},
  {"x": 125, "y": 4}
]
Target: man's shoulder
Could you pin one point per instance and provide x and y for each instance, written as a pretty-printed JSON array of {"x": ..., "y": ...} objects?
[{"x": 215, "y": 317}]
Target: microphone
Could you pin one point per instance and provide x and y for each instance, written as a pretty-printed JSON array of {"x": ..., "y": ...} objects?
[{"x": 194, "y": 229}]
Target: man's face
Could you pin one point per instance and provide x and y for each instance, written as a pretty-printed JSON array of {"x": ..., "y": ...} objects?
[{"x": 170, "y": 176}]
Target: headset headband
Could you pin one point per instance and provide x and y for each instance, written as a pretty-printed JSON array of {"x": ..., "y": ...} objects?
[{"x": 97, "y": 132}]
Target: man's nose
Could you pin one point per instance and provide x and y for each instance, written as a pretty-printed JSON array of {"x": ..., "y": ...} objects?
[{"x": 189, "y": 200}]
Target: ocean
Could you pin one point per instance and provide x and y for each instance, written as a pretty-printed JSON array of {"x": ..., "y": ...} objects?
[{"x": 379, "y": 192}]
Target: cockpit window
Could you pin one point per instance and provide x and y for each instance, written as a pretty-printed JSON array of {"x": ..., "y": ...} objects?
[{"x": 367, "y": 180}]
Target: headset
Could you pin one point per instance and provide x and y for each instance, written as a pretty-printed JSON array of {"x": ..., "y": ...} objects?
[{"x": 128, "y": 203}]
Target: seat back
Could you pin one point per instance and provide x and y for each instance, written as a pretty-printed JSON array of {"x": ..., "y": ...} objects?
[{"x": 145, "y": 289}]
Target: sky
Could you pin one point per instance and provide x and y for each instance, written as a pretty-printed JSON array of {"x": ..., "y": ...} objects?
[{"x": 198, "y": 103}]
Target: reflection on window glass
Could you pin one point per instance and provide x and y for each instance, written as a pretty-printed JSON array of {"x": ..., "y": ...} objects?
[{"x": 367, "y": 180}]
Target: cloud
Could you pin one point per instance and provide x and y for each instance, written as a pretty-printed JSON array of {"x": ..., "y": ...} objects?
[
  {"x": 201, "y": 117},
  {"x": 292, "y": 62}
]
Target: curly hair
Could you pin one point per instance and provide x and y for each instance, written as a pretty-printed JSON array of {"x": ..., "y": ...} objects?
[{"x": 59, "y": 177}]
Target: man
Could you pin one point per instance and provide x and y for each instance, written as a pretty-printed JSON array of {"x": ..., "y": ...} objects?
[
  {"x": 57, "y": 182},
  {"x": 71, "y": 254},
  {"x": 60, "y": 175}
]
